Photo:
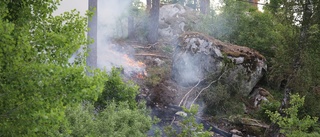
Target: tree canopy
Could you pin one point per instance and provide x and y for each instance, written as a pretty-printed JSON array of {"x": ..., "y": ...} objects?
[{"x": 40, "y": 89}]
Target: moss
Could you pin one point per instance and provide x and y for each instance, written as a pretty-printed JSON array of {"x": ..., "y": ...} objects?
[{"x": 251, "y": 56}]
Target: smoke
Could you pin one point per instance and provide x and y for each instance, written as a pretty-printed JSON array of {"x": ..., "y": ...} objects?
[
  {"x": 111, "y": 17},
  {"x": 189, "y": 70},
  {"x": 112, "y": 23}
]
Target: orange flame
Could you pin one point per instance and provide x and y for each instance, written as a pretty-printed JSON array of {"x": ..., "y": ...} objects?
[
  {"x": 133, "y": 63},
  {"x": 136, "y": 64}
]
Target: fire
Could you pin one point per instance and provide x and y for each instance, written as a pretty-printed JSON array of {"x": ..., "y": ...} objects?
[
  {"x": 133, "y": 63},
  {"x": 140, "y": 75},
  {"x": 136, "y": 68}
]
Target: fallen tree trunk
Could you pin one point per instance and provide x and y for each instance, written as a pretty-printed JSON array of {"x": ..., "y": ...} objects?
[
  {"x": 152, "y": 55},
  {"x": 248, "y": 122}
]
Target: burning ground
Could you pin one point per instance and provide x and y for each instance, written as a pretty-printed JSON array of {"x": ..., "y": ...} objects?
[
  {"x": 159, "y": 71},
  {"x": 188, "y": 68}
]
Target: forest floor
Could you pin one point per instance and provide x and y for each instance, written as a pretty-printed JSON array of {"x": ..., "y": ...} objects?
[{"x": 163, "y": 95}]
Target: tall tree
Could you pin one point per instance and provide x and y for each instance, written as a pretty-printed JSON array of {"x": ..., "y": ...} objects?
[
  {"x": 195, "y": 3},
  {"x": 153, "y": 22},
  {"x": 295, "y": 65},
  {"x": 130, "y": 27},
  {"x": 41, "y": 93},
  {"x": 204, "y": 6},
  {"x": 148, "y": 5},
  {"x": 92, "y": 57},
  {"x": 134, "y": 12},
  {"x": 254, "y": 3},
  {"x": 131, "y": 21},
  {"x": 37, "y": 82}
]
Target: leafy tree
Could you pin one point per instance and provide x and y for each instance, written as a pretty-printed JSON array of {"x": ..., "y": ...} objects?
[
  {"x": 290, "y": 123},
  {"x": 242, "y": 24},
  {"x": 188, "y": 126},
  {"x": 296, "y": 64},
  {"x": 116, "y": 120},
  {"x": 117, "y": 90},
  {"x": 135, "y": 13},
  {"x": 40, "y": 89},
  {"x": 37, "y": 82}
]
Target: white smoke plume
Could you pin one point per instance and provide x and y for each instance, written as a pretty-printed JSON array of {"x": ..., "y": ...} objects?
[{"x": 112, "y": 23}]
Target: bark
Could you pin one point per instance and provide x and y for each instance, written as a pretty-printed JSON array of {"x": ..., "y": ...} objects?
[
  {"x": 195, "y": 3},
  {"x": 148, "y": 5},
  {"x": 92, "y": 24},
  {"x": 254, "y": 3},
  {"x": 153, "y": 22},
  {"x": 131, "y": 27},
  {"x": 204, "y": 6},
  {"x": 303, "y": 37}
]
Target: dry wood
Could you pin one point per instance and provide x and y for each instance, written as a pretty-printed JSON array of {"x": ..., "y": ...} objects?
[
  {"x": 241, "y": 121},
  {"x": 257, "y": 125},
  {"x": 253, "y": 122},
  {"x": 185, "y": 96},
  {"x": 206, "y": 88},
  {"x": 153, "y": 45},
  {"x": 141, "y": 47},
  {"x": 152, "y": 55}
]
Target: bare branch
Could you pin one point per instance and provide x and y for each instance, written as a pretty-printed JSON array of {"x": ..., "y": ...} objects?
[
  {"x": 206, "y": 88},
  {"x": 189, "y": 92},
  {"x": 153, "y": 55}
]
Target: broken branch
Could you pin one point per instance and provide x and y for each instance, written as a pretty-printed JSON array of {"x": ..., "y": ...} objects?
[
  {"x": 154, "y": 44},
  {"x": 205, "y": 88},
  {"x": 189, "y": 92},
  {"x": 249, "y": 122},
  {"x": 152, "y": 55},
  {"x": 141, "y": 47}
]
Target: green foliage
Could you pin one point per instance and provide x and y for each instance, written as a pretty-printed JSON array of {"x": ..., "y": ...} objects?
[
  {"x": 283, "y": 33},
  {"x": 241, "y": 24},
  {"x": 168, "y": 49},
  {"x": 215, "y": 97},
  {"x": 222, "y": 99},
  {"x": 266, "y": 106},
  {"x": 117, "y": 119},
  {"x": 40, "y": 90},
  {"x": 37, "y": 82},
  {"x": 189, "y": 127},
  {"x": 291, "y": 125},
  {"x": 296, "y": 61},
  {"x": 138, "y": 17},
  {"x": 157, "y": 74},
  {"x": 117, "y": 90}
]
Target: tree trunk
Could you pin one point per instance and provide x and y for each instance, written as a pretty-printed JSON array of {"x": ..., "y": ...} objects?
[
  {"x": 303, "y": 37},
  {"x": 195, "y": 3},
  {"x": 153, "y": 22},
  {"x": 204, "y": 6},
  {"x": 130, "y": 27},
  {"x": 92, "y": 34},
  {"x": 254, "y": 3},
  {"x": 148, "y": 5},
  {"x": 303, "y": 40}
]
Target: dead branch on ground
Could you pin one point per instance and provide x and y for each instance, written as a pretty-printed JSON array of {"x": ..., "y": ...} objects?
[
  {"x": 152, "y": 55},
  {"x": 249, "y": 122},
  {"x": 153, "y": 45},
  {"x": 206, "y": 88},
  {"x": 185, "y": 96},
  {"x": 141, "y": 47}
]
